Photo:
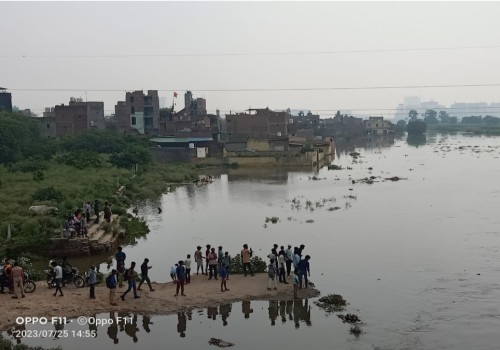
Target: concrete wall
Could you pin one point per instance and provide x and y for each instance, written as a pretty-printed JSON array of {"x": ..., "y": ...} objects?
[{"x": 173, "y": 155}]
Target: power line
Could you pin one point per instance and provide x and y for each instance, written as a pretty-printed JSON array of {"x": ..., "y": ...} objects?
[
  {"x": 272, "y": 89},
  {"x": 236, "y": 54}
]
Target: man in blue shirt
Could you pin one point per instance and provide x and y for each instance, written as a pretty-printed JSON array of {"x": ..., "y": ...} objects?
[{"x": 181, "y": 278}]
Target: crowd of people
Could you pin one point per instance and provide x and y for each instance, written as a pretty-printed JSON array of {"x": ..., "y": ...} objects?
[
  {"x": 215, "y": 265},
  {"x": 11, "y": 279},
  {"x": 77, "y": 224}
]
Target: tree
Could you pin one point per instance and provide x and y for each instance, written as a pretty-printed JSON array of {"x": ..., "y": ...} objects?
[
  {"x": 416, "y": 127},
  {"x": 401, "y": 126},
  {"x": 444, "y": 117},
  {"x": 413, "y": 115},
  {"x": 430, "y": 117}
]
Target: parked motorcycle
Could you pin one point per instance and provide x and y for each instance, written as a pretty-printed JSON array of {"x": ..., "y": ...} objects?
[
  {"x": 28, "y": 285},
  {"x": 72, "y": 276}
]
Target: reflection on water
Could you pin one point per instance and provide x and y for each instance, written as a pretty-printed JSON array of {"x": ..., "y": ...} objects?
[
  {"x": 124, "y": 326},
  {"x": 344, "y": 147},
  {"x": 416, "y": 140}
]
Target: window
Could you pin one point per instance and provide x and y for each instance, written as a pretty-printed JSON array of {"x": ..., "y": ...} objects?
[
  {"x": 134, "y": 121},
  {"x": 132, "y": 110},
  {"x": 131, "y": 99}
]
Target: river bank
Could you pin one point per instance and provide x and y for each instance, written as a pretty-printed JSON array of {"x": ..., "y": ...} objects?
[{"x": 199, "y": 293}]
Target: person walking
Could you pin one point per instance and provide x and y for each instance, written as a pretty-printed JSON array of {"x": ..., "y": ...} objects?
[
  {"x": 92, "y": 281},
  {"x": 17, "y": 275},
  {"x": 144, "y": 275},
  {"x": 58, "y": 274},
  {"x": 198, "y": 257},
  {"x": 212, "y": 264},
  {"x": 111, "y": 283},
  {"x": 181, "y": 278},
  {"x": 271, "y": 273},
  {"x": 246, "y": 254},
  {"x": 130, "y": 276},
  {"x": 120, "y": 257},
  {"x": 187, "y": 263}
]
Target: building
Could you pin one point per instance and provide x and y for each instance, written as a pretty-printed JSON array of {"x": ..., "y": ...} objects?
[
  {"x": 77, "y": 117},
  {"x": 139, "y": 113},
  {"x": 377, "y": 126},
  {"x": 257, "y": 123},
  {"x": 5, "y": 100}
]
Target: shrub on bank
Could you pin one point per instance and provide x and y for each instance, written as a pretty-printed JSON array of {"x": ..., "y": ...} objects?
[{"x": 257, "y": 264}]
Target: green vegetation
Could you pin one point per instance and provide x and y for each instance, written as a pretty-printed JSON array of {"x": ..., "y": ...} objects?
[
  {"x": 479, "y": 129},
  {"x": 66, "y": 172},
  {"x": 258, "y": 265},
  {"x": 416, "y": 127}
]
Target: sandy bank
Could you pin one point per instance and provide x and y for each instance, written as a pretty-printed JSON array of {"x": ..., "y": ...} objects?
[{"x": 199, "y": 293}]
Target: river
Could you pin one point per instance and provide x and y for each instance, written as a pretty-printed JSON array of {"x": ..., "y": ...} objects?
[{"x": 417, "y": 259}]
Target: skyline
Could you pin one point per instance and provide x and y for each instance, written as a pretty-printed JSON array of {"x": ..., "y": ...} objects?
[{"x": 317, "y": 56}]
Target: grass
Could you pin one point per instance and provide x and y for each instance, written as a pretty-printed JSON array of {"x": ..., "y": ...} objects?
[{"x": 77, "y": 186}]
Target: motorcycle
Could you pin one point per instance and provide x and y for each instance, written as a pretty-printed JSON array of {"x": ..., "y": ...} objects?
[
  {"x": 72, "y": 276},
  {"x": 28, "y": 285}
]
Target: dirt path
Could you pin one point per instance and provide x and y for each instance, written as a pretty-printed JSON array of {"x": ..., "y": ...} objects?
[{"x": 199, "y": 293}]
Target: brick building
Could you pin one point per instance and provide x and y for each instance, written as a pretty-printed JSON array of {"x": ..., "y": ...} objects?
[
  {"x": 139, "y": 113},
  {"x": 257, "y": 123},
  {"x": 78, "y": 117}
]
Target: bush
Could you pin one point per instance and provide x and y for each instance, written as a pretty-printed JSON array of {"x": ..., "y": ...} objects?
[
  {"x": 48, "y": 194},
  {"x": 27, "y": 266},
  {"x": 135, "y": 227},
  {"x": 257, "y": 264}
]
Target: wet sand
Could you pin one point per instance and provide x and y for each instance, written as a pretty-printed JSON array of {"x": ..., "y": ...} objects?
[{"x": 200, "y": 293}]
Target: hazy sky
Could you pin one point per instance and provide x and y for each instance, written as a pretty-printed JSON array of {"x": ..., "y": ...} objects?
[{"x": 193, "y": 41}]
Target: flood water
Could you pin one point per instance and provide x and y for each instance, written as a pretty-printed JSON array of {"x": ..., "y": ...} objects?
[{"x": 417, "y": 259}]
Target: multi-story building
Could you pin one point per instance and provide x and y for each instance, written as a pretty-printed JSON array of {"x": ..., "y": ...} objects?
[
  {"x": 5, "y": 100},
  {"x": 138, "y": 113},
  {"x": 378, "y": 126},
  {"x": 78, "y": 117},
  {"x": 257, "y": 123}
]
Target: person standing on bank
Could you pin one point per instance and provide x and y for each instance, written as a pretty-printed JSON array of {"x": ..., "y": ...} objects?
[
  {"x": 289, "y": 260},
  {"x": 120, "y": 257},
  {"x": 181, "y": 278},
  {"x": 187, "y": 263},
  {"x": 144, "y": 275},
  {"x": 246, "y": 255},
  {"x": 17, "y": 275},
  {"x": 198, "y": 257},
  {"x": 212, "y": 264},
  {"x": 96, "y": 211},
  {"x": 92, "y": 281}
]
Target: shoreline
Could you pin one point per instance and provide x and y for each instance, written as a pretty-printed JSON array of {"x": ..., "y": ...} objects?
[{"x": 200, "y": 293}]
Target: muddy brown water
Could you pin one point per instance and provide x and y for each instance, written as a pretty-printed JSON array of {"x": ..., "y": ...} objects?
[{"x": 417, "y": 259}]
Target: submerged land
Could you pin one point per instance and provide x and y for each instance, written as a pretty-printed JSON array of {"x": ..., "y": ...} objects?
[{"x": 200, "y": 293}]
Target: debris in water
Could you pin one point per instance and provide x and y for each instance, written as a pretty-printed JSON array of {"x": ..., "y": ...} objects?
[
  {"x": 220, "y": 343},
  {"x": 331, "y": 303},
  {"x": 349, "y": 318}
]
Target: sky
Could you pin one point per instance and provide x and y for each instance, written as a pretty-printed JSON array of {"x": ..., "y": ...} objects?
[{"x": 240, "y": 55}]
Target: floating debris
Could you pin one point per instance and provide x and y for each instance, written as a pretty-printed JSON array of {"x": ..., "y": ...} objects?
[
  {"x": 310, "y": 221},
  {"x": 354, "y": 154},
  {"x": 273, "y": 219},
  {"x": 333, "y": 208},
  {"x": 395, "y": 178},
  {"x": 334, "y": 167},
  {"x": 349, "y": 318},
  {"x": 331, "y": 303},
  {"x": 356, "y": 331},
  {"x": 351, "y": 197},
  {"x": 220, "y": 343}
]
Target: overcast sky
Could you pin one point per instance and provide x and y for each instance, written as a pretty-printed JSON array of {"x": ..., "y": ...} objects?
[{"x": 200, "y": 36}]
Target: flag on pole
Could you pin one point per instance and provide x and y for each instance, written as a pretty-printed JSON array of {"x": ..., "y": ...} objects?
[{"x": 175, "y": 94}]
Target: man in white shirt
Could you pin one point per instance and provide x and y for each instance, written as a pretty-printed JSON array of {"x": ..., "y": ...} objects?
[{"x": 59, "y": 276}]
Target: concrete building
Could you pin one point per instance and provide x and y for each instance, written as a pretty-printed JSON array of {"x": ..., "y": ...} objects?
[
  {"x": 77, "y": 117},
  {"x": 139, "y": 113},
  {"x": 5, "y": 100},
  {"x": 378, "y": 126},
  {"x": 257, "y": 123}
]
